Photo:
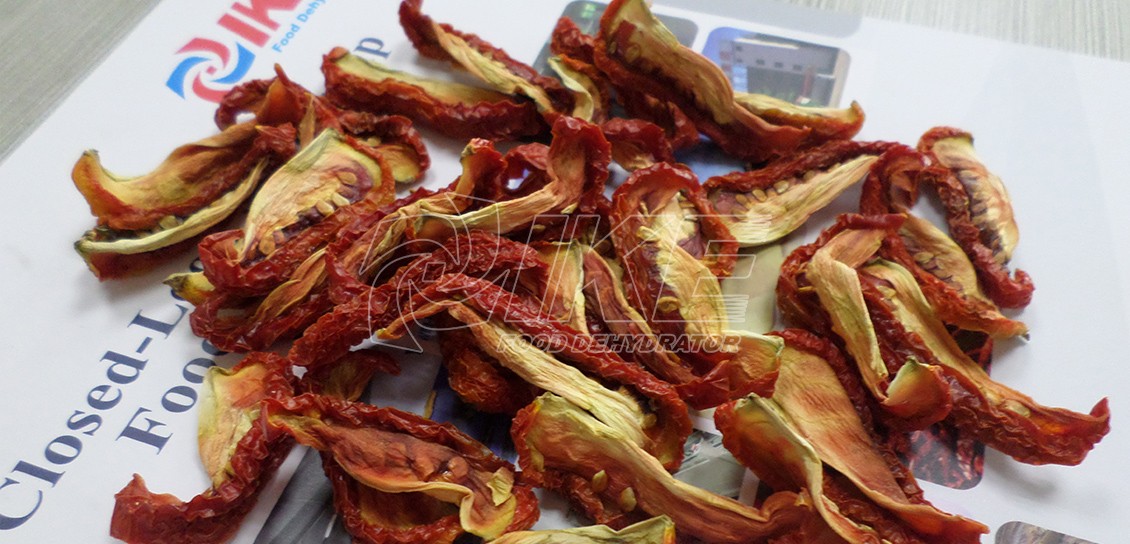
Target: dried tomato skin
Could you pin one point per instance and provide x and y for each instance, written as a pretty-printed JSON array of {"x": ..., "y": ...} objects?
[
  {"x": 112, "y": 266},
  {"x": 627, "y": 219},
  {"x": 230, "y": 274},
  {"x": 509, "y": 119},
  {"x": 637, "y": 140},
  {"x": 798, "y": 306},
  {"x": 346, "y": 500},
  {"x": 344, "y": 282},
  {"x": 568, "y": 40},
  {"x": 1007, "y": 291},
  {"x": 870, "y": 414}
]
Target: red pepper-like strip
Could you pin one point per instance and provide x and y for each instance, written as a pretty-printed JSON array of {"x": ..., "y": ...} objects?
[
  {"x": 397, "y": 452},
  {"x": 457, "y": 110},
  {"x": 143, "y": 517},
  {"x": 1002, "y": 418},
  {"x": 944, "y": 272},
  {"x": 979, "y": 214},
  {"x": 354, "y": 321},
  {"x": 442, "y": 42},
  {"x": 636, "y": 51},
  {"x": 523, "y": 315},
  {"x": 297, "y": 212},
  {"x": 554, "y": 436},
  {"x": 811, "y": 413}
]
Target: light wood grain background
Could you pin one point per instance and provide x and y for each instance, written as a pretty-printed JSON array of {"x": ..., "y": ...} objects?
[{"x": 48, "y": 46}]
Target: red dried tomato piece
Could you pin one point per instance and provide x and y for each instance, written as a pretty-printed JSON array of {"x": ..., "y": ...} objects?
[
  {"x": 392, "y": 455},
  {"x": 241, "y": 461}
]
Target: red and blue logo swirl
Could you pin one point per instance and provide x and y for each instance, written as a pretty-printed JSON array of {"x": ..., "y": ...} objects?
[{"x": 210, "y": 71}]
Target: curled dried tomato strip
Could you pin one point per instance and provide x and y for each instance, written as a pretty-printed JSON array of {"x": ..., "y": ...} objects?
[
  {"x": 661, "y": 214},
  {"x": 395, "y": 452},
  {"x": 811, "y": 415},
  {"x": 763, "y": 205},
  {"x": 236, "y": 323},
  {"x": 478, "y": 379},
  {"x": 636, "y": 51},
  {"x": 196, "y": 173},
  {"x": 979, "y": 214},
  {"x": 568, "y": 41},
  {"x": 458, "y": 110},
  {"x": 555, "y": 437},
  {"x": 647, "y": 194},
  {"x": 836, "y": 305},
  {"x": 442, "y": 42},
  {"x": 143, "y": 517},
  {"x": 1002, "y": 418},
  {"x": 673, "y": 247},
  {"x": 944, "y": 272},
  {"x": 477, "y": 253},
  {"x": 523, "y": 316},
  {"x": 827, "y": 124},
  {"x": 657, "y": 530},
  {"x": 296, "y": 212}
]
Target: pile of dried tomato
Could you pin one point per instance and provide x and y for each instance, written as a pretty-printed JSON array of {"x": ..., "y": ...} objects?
[{"x": 593, "y": 322}]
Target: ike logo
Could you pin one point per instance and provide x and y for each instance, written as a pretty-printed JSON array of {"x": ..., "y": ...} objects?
[{"x": 211, "y": 67}]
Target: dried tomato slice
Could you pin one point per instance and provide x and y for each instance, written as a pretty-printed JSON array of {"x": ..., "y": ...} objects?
[
  {"x": 483, "y": 60},
  {"x": 812, "y": 418},
  {"x": 240, "y": 454},
  {"x": 296, "y": 212},
  {"x": 394, "y": 452},
  {"x": 477, "y": 253},
  {"x": 764, "y": 205},
  {"x": 1002, "y": 418},
  {"x": 636, "y": 51},
  {"x": 555, "y": 437},
  {"x": 657, "y": 530},
  {"x": 947, "y": 277},
  {"x": 458, "y": 110},
  {"x": 507, "y": 324},
  {"x": 979, "y": 213}
]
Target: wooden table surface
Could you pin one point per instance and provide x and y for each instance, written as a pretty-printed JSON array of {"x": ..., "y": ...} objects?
[{"x": 50, "y": 45}]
